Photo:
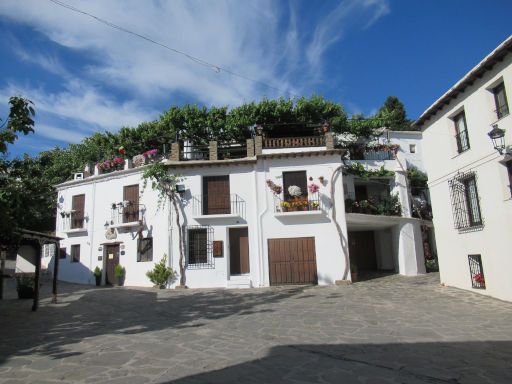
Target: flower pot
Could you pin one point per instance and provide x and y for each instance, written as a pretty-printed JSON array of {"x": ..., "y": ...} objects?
[
  {"x": 98, "y": 280},
  {"x": 354, "y": 276},
  {"x": 120, "y": 280}
]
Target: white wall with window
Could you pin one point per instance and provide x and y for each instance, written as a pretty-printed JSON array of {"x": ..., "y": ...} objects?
[{"x": 469, "y": 180}]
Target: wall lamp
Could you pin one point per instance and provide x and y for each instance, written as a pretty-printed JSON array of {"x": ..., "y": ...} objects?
[{"x": 497, "y": 136}]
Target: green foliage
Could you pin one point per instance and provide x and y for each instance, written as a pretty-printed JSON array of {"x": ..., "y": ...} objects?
[
  {"x": 417, "y": 178},
  {"x": 161, "y": 273},
  {"x": 21, "y": 113},
  {"x": 393, "y": 111},
  {"x": 97, "y": 271},
  {"x": 162, "y": 181},
  {"x": 359, "y": 170},
  {"x": 119, "y": 271}
]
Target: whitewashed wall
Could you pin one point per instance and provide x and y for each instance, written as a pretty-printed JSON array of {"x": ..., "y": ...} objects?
[{"x": 493, "y": 242}]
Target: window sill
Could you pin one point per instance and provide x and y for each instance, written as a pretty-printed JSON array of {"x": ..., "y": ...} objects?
[{"x": 75, "y": 230}]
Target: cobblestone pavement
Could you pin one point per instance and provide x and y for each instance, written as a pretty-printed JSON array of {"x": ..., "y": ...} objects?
[{"x": 388, "y": 330}]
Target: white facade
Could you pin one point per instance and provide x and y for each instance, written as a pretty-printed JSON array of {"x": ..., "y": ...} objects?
[
  {"x": 398, "y": 241},
  {"x": 483, "y": 228}
]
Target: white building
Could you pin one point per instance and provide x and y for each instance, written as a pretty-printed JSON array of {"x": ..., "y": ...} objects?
[
  {"x": 238, "y": 231},
  {"x": 469, "y": 180}
]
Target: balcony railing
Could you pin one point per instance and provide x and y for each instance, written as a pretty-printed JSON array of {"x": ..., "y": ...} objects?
[
  {"x": 373, "y": 155},
  {"x": 127, "y": 213},
  {"x": 194, "y": 152},
  {"x": 294, "y": 142},
  {"x": 218, "y": 204},
  {"x": 231, "y": 151},
  {"x": 373, "y": 205},
  {"x": 298, "y": 204},
  {"x": 73, "y": 221}
]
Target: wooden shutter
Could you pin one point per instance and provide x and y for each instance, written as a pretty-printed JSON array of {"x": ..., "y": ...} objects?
[
  {"x": 216, "y": 195},
  {"x": 75, "y": 253},
  {"x": 78, "y": 205},
  {"x": 131, "y": 194},
  {"x": 297, "y": 178},
  {"x": 145, "y": 250},
  {"x": 217, "y": 248}
]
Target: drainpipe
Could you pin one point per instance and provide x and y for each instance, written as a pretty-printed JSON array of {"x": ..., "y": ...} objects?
[
  {"x": 91, "y": 225},
  {"x": 260, "y": 221}
]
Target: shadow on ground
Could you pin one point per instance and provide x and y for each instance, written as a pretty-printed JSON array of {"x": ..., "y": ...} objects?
[{"x": 466, "y": 362}]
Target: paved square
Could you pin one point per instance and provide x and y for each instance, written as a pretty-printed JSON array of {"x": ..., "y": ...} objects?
[{"x": 389, "y": 330}]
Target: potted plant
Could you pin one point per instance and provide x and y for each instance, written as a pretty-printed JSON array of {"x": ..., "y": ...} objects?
[
  {"x": 25, "y": 286},
  {"x": 353, "y": 272},
  {"x": 120, "y": 273},
  {"x": 314, "y": 205},
  {"x": 161, "y": 273},
  {"x": 97, "y": 276},
  {"x": 285, "y": 206}
]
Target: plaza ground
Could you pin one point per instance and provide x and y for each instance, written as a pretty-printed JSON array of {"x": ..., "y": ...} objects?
[{"x": 392, "y": 329}]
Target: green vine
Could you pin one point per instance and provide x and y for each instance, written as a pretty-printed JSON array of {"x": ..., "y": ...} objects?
[{"x": 359, "y": 170}]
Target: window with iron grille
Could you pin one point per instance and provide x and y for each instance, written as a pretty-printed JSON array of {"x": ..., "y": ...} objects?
[
  {"x": 465, "y": 201},
  {"x": 200, "y": 247},
  {"x": 508, "y": 164},
  {"x": 145, "y": 249},
  {"x": 461, "y": 132},
  {"x": 500, "y": 100},
  {"x": 476, "y": 271},
  {"x": 75, "y": 253}
]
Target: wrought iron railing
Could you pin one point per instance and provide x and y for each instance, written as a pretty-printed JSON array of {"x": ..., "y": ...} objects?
[
  {"x": 294, "y": 142},
  {"x": 476, "y": 271},
  {"x": 312, "y": 202},
  {"x": 462, "y": 141},
  {"x": 127, "y": 212},
  {"x": 218, "y": 204},
  {"x": 194, "y": 152},
  {"x": 231, "y": 150},
  {"x": 373, "y": 155},
  {"x": 373, "y": 205},
  {"x": 73, "y": 220}
]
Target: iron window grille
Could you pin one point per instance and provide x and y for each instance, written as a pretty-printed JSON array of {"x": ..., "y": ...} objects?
[
  {"x": 476, "y": 271},
  {"x": 200, "y": 247},
  {"x": 465, "y": 201},
  {"x": 461, "y": 132},
  {"x": 145, "y": 249}
]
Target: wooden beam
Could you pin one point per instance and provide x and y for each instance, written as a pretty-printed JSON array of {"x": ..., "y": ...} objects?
[
  {"x": 55, "y": 272},
  {"x": 35, "y": 304}
]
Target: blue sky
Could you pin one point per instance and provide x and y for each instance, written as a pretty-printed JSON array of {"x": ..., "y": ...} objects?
[{"x": 85, "y": 77}]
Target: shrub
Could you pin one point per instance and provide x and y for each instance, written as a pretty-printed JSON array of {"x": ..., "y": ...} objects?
[
  {"x": 119, "y": 271},
  {"x": 161, "y": 273},
  {"x": 97, "y": 271}
]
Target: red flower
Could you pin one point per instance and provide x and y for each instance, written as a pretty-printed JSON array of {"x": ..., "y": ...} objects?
[{"x": 122, "y": 151}]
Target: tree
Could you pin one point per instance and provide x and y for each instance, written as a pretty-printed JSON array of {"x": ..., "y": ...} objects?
[
  {"x": 393, "y": 110},
  {"x": 165, "y": 184},
  {"x": 20, "y": 119}
]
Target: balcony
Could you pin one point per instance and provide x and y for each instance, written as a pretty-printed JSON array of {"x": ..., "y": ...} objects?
[
  {"x": 127, "y": 214},
  {"x": 210, "y": 207},
  {"x": 378, "y": 152},
  {"x": 73, "y": 222},
  {"x": 373, "y": 205},
  {"x": 300, "y": 206},
  {"x": 189, "y": 151}
]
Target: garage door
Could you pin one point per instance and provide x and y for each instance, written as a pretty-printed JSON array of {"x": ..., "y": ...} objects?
[{"x": 292, "y": 261}]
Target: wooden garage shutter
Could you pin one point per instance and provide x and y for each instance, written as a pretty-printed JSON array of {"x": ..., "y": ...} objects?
[
  {"x": 292, "y": 261},
  {"x": 131, "y": 194},
  {"x": 78, "y": 205},
  {"x": 216, "y": 195},
  {"x": 298, "y": 178}
]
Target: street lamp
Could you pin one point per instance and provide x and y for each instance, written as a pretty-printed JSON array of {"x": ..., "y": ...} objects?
[{"x": 497, "y": 136}]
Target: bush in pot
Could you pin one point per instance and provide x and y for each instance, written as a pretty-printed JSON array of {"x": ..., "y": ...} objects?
[
  {"x": 120, "y": 273},
  {"x": 161, "y": 273},
  {"x": 97, "y": 275}
]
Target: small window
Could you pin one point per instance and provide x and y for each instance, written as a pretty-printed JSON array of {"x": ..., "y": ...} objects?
[
  {"x": 200, "y": 247},
  {"x": 508, "y": 164},
  {"x": 465, "y": 201},
  {"x": 75, "y": 253},
  {"x": 476, "y": 271},
  {"x": 500, "y": 100},
  {"x": 145, "y": 249},
  {"x": 461, "y": 132},
  {"x": 412, "y": 148},
  {"x": 62, "y": 253}
]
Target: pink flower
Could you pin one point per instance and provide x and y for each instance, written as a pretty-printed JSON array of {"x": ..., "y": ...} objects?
[
  {"x": 313, "y": 188},
  {"x": 150, "y": 153},
  {"x": 118, "y": 160}
]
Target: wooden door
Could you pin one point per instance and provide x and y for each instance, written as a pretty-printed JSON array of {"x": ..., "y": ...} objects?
[
  {"x": 77, "y": 217},
  {"x": 112, "y": 257},
  {"x": 131, "y": 212},
  {"x": 361, "y": 248},
  {"x": 216, "y": 195},
  {"x": 239, "y": 251},
  {"x": 292, "y": 261}
]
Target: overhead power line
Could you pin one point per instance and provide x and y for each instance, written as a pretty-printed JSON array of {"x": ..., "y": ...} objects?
[{"x": 216, "y": 68}]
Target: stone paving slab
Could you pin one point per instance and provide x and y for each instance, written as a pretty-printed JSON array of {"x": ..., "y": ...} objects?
[{"x": 392, "y": 329}]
